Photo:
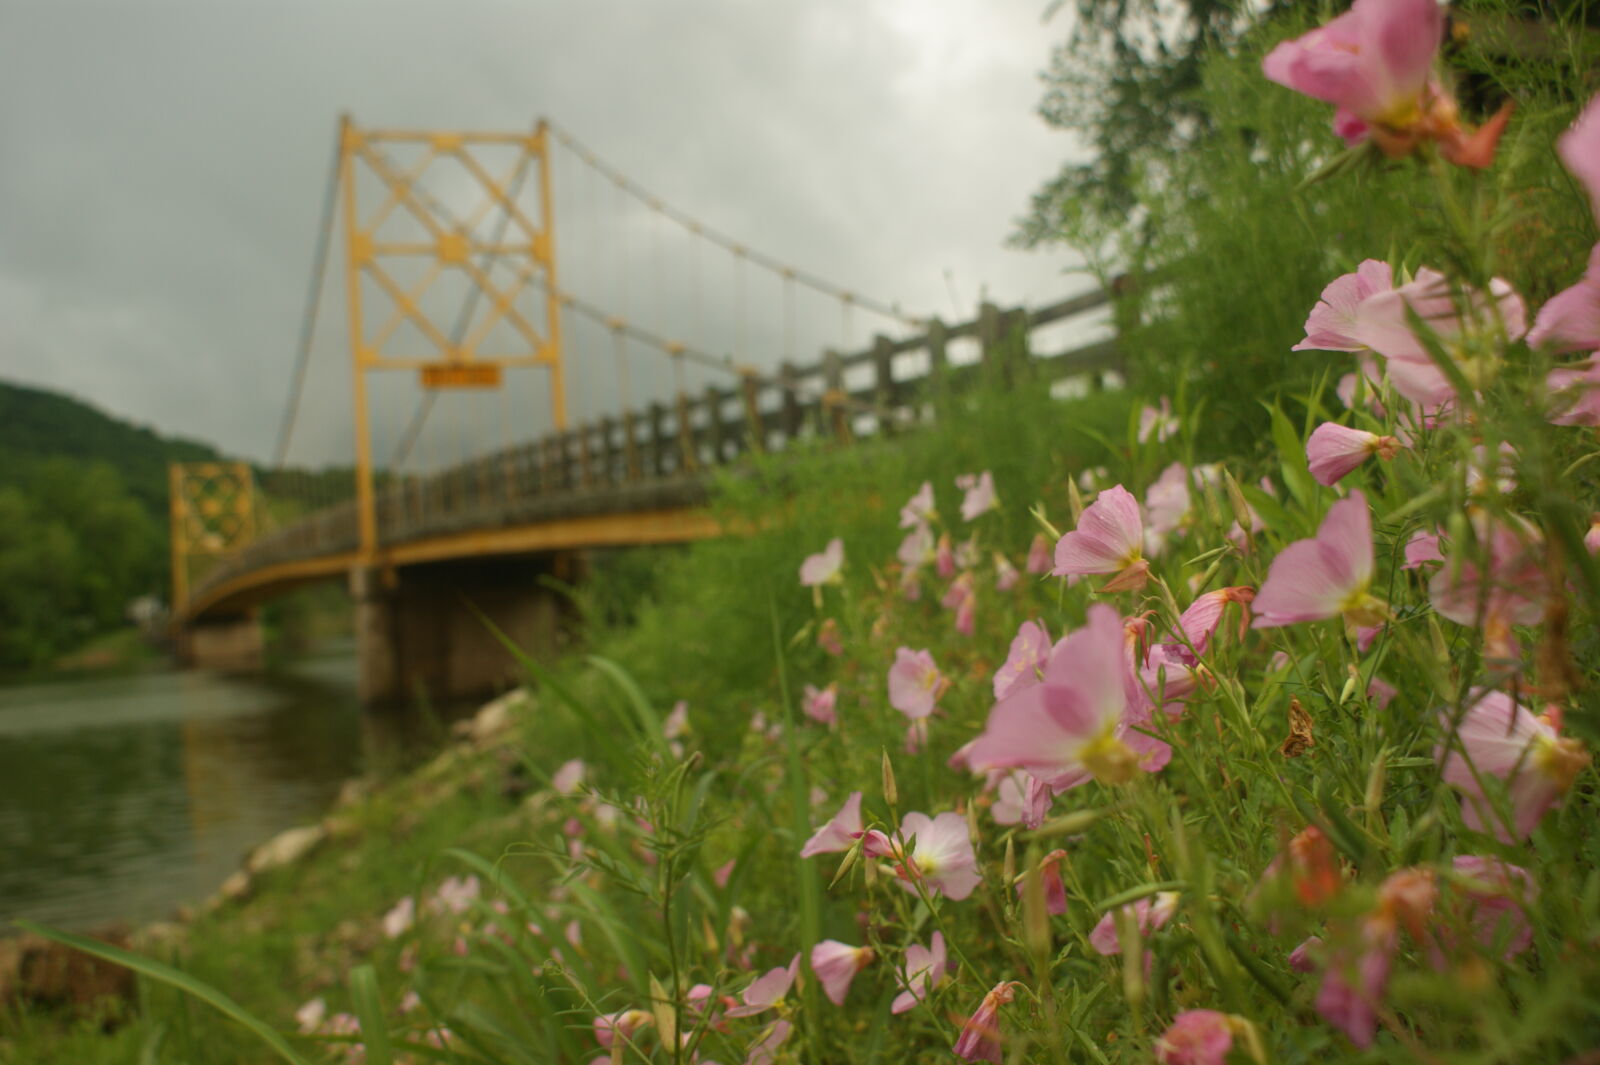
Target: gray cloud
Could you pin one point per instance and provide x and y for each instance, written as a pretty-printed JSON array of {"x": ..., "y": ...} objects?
[{"x": 165, "y": 166}]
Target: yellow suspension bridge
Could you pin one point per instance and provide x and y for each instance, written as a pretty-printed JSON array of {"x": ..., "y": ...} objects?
[{"x": 452, "y": 298}]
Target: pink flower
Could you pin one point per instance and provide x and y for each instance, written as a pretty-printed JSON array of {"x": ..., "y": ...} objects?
[
  {"x": 915, "y": 682},
  {"x": 980, "y": 1036},
  {"x": 1422, "y": 548},
  {"x": 1333, "y": 319},
  {"x": 310, "y": 1015},
  {"x": 1158, "y": 423},
  {"x": 1497, "y": 895},
  {"x": 1334, "y": 450},
  {"x": 1200, "y": 621},
  {"x": 1576, "y": 392},
  {"x": 455, "y": 894},
  {"x": 824, "y": 567},
  {"x": 1325, "y": 576},
  {"x": 916, "y": 735},
  {"x": 1167, "y": 500},
  {"x": 1039, "y": 560},
  {"x": 1579, "y": 148},
  {"x": 1109, "y": 539},
  {"x": 918, "y": 510},
  {"x": 767, "y": 990},
  {"x": 960, "y": 590},
  {"x": 924, "y": 970},
  {"x": 1302, "y": 959},
  {"x": 836, "y": 964},
  {"x": 765, "y": 1049},
  {"x": 1352, "y": 986},
  {"x": 1077, "y": 723},
  {"x": 1498, "y": 738},
  {"x": 818, "y": 704},
  {"x": 1030, "y": 649},
  {"x": 1196, "y": 1037},
  {"x": 917, "y": 548},
  {"x": 1570, "y": 320},
  {"x": 397, "y": 922},
  {"x": 1005, "y": 574},
  {"x": 980, "y": 495},
  {"x": 1461, "y": 321},
  {"x": 676, "y": 724},
  {"x": 944, "y": 558},
  {"x": 1055, "y": 891},
  {"x": 966, "y": 556},
  {"x": 608, "y": 1027},
  {"x": 567, "y": 779},
  {"x": 1149, "y": 913},
  {"x": 1510, "y": 589},
  {"x": 839, "y": 833},
  {"x": 1373, "y": 64},
  {"x": 941, "y": 853}
]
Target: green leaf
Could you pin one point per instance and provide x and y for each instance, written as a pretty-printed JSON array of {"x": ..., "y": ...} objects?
[
  {"x": 649, "y": 720},
  {"x": 1292, "y": 459},
  {"x": 368, "y": 1002},
  {"x": 180, "y": 980}
]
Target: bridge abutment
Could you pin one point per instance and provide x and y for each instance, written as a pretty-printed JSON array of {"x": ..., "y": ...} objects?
[
  {"x": 421, "y": 631},
  {"x": 230, "y": 644}
]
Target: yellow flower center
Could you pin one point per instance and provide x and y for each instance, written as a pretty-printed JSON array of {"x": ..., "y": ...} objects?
[{"x": 1108, "y": 759}]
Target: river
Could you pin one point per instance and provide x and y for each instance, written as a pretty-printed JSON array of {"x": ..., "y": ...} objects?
[{"x": 122, "y": 797}]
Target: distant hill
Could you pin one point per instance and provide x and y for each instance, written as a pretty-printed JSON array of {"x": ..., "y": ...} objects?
[{"x": 36, "y": 425}]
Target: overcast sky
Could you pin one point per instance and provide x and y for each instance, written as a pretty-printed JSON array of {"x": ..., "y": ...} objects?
[{"x": 164, "y": 166}]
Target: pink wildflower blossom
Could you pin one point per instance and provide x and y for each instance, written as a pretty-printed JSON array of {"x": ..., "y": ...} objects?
[
  {"x": 764, "y": 1051},
  {"x": 961, "y": 589},
  {"x": 1200, "y": 621},
  {"x": 924, "y": 970},
  {"x": 836, "y": 964},
  {"x": 918, "y": 510},
  {"x": 941, "y": 853},
  {"x": 1030, "y": 649},
  {"x": 1039, "y": 557},
  {"x": 1109, "y": 539},
  {"x": 1505, "y": 588},
  {"x": 980, "y": 1036},
  {"x": 1006, "y": 576},
  {"x": 676, "y": 724},
  {"x": 1150, "y": 913},
  {"x": 818, "y": 704},
  {"x": 1497, "y": 895},
  {"x": 980, "y": 495},
  {"x": 944, "y": 557},
  {"x": 1332, "y": 321},
  {"x": 1422, "y": 548},
  {"x": 824, "y": 567},
  {"x": 1325, "y": 576},
  {"x": 1334, "y": 450},
  {"x": 1196, "y": 1037},
  {"x": 310, "y": 1015},
  {"x": 1077, "y": 723},
  {"x": 917, "y": 549},
  {"x": 569, "y": 777},
  {"x": 1575, "y": 392},
  {"x": 1579, "y": 148},
  {"x": 1374, "y": 65},
  {"x": 915, "y": 682},
  {"x": 1462, "y": 322},
  {"x": 966, "y": 555},
  {"x": 398, "y": 921},
  {"x": 1157, "y": 422},
  {"x": 1570, "y": 320},
  {"x": 767, "y": 990},
  {"x": 1354, "y": 983},
  {"x": 1167, "y": 502},
  {"x": 916, "y": 735},
  {"x": 1303, "y": 959},
  {"x": 1498, "y": 738},
  {"x": 608, "y": 1027},
  {"x": 455, "y": 894},
  {"x": 839, "y": 833}
]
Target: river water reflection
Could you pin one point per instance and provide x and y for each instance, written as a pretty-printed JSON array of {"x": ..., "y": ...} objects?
[{"x": 123, "y": 797}]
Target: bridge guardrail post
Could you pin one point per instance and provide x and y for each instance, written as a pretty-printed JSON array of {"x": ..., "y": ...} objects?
[
  {"x": 630, "y": 444},
  {"x": 658, "y": 433},
  {"x": 938, "y": 364},
  {"x": 789, "y": 382},
  {"x": 750, "y": 394},
  {"x": 883, "y": 381},
  {"x": 713, "y": 403},
  {"x": 688, "y": 458},
  {"x": 836, "y": 401}
]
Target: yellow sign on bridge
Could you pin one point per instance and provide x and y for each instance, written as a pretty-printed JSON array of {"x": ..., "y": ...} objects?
[{"x": 461, "y": 375}]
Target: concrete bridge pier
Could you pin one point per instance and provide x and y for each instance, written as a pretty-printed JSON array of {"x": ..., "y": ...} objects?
[
  {"x": 419, "y": 633},
  {"x": 227, "y": 644}
]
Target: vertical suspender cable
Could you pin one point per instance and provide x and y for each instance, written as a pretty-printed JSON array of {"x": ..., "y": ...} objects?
[{"x": 308, "y": 322}]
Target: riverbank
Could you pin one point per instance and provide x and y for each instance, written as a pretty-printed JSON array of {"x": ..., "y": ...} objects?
[{"x": 288, "y": 924}]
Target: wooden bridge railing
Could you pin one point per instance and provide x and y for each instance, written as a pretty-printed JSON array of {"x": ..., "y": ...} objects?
[{"x": 658, "y": 457}]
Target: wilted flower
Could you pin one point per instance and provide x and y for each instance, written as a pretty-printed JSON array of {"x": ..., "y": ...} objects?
[{"x": 980, "y": 1036}]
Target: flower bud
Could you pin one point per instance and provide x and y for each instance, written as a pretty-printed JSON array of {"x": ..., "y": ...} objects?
[{"x": 891, "y": 794}]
